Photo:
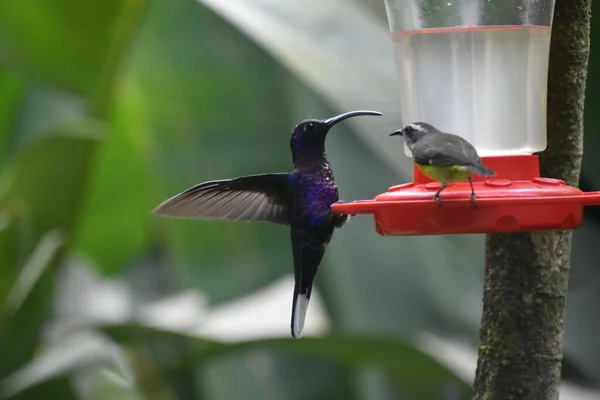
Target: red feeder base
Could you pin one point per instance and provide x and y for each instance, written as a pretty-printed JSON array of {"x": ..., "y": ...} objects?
[{"x": 517, "y": 199}]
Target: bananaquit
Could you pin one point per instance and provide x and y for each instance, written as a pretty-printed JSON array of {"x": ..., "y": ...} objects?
[{"x": 443, "y": 157}]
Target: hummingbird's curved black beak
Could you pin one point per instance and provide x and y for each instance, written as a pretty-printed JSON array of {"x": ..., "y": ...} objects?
[
  {"x": 332, "y": 121},
  {"x": 399, "y": 132}
]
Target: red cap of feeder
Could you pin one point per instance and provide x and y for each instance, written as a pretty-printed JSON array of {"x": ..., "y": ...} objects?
[{"x": 516, "y": 199}]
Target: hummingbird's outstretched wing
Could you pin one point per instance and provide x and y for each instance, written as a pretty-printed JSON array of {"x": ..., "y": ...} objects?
[{"x": 255, "y": 198}]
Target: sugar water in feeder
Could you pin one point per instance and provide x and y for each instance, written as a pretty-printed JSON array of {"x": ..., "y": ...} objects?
[{"x": 485, "y": 83}]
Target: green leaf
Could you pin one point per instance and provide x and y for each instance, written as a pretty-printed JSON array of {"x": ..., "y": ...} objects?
[
  {"x": 61, "y": 45},
  {"x": 9, "y": 247},
  {"x": 40, "y": 260},
  {"x": 74, "y": 354},
  {"x": 118, "y": 193},
  {"x": 55, "y": 389},
  {"x": 277, "y": 374},
  {"x": 416, "y": 373},
  {"x": 46, "y": 144},
  {"x": 68, "y": 43},
  {"x": 47, "y": 183},
  {"x": 49, "y": 175},
  {"x": 108, "y": 386},
  {"x": 11, "y": 91}
]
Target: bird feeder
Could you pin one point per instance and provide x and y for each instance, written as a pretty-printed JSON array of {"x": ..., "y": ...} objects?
[{"x": 478, "y": 69}]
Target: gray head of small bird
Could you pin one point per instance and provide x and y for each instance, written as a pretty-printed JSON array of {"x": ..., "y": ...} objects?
[
  {"x": 309, "y": 135},
  {"x": 412, "y": 133}
]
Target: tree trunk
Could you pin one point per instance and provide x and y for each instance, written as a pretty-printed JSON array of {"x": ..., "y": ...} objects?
[{"x": 526, "y": 274}]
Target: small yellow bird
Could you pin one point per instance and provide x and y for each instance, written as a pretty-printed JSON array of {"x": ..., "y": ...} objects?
[{"x": 443, "y": 157}]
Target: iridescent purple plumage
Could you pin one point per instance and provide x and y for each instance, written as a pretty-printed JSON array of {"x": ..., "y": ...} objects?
[{"x": 317, "y": 191}]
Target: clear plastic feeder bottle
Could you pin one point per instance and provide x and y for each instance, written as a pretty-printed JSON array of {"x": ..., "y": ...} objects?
[{"x": 476, "y": 68}]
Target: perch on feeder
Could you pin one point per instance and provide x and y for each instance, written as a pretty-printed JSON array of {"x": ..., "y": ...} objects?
[{"x": 478, "y": 69}]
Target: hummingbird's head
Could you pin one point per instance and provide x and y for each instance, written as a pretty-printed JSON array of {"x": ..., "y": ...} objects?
[
  {"x": 308, "y": 137},
  {"x": 412, "y": 133}
]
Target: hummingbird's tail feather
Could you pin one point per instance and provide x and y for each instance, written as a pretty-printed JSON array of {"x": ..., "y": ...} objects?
[
  {"x": 481, "y": 170},
  {"x": 299, "y": 313},
  {"x": 307, "y": 257}
]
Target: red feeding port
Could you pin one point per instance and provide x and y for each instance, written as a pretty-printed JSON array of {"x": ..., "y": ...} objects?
[{"x": 517, "y": 199}]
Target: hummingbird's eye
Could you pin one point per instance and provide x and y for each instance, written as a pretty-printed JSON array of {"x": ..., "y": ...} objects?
[{"x": 310, "y": 126}]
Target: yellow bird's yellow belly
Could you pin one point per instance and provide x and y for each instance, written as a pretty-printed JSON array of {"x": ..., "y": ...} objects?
[{"x": 445, "y": 173}]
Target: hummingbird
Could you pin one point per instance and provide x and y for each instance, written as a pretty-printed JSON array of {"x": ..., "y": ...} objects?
[{"x": 300, "y": 199}]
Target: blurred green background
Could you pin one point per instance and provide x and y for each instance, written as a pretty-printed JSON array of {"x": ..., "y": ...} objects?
[{"x": 108, "y": 108}]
